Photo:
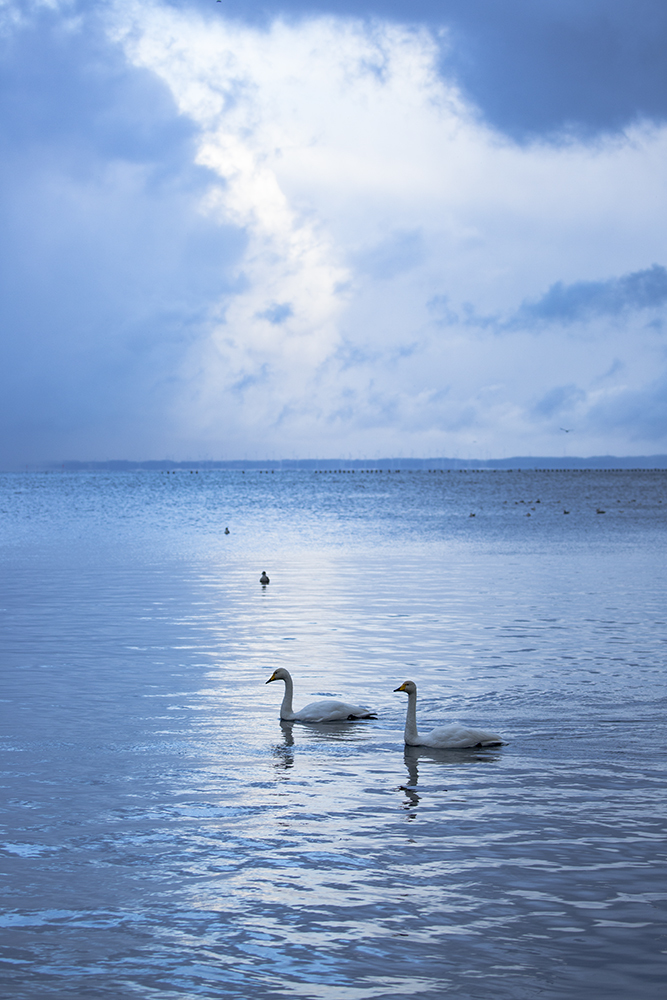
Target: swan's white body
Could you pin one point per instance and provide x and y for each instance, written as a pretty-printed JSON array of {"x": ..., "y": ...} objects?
[
  {"x": 317, "y": 711},
  {"x": 444, "y": 737}
]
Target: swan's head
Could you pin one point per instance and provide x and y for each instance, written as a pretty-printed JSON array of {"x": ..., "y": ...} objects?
[
  {"x": 408, "y": 686},
  {"x": 279, "y": 675}
]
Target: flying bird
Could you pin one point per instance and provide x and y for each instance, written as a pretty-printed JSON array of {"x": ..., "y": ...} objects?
[{"x": 567, "y": 429}]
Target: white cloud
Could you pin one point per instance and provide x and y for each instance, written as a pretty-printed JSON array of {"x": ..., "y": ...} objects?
[{"x": 367, "y": 190}]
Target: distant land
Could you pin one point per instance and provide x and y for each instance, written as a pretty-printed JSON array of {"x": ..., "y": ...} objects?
[{"x": 519, "y": 463}]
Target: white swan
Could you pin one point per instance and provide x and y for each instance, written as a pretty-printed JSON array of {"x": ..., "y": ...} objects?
[
  {"x": 444, "y": 737},
  {"x": 317, "y": 711}
]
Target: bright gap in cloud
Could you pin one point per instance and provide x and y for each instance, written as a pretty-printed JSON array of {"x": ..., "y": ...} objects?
[{"x": 383, "y": 219}]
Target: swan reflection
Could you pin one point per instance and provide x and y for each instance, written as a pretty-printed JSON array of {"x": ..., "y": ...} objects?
[
  {"x": 337, "y": 732},
  {"x": 411, "y": 801},
  {"x": 413, "y": 755},
  {"x": 474, "y": 755},
  {"x": 284, "y": 752}
]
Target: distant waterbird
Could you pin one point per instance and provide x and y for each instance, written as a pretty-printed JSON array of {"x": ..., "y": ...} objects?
[
  {"x": 317, "y": 711},
  {"x": 264, "y": 579},
  {"x": 226, "y": 531},
  {"x": 450, "y": 737}
]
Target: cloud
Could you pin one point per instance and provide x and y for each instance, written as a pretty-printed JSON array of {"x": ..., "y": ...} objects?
[
  {"x": 396, "y": 253},
  {"x": 584, "y": 300},
  {"x": 561, "y": 68},
  {"x": 245, "y": 91},
  {"x": 109, "y": 268},
  {"x": 277, "y": 313},
  {"x": 558, "y": 67},
  {"x": 299, "y": 238},
  {"x": 558, "y": 401},
  {"x": 638, "y": 415}
]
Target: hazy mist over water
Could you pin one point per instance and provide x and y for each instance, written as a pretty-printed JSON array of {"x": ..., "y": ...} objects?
[{"x": 165, "y": 836}]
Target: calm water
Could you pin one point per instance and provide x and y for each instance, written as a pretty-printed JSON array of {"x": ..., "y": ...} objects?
[{"x": 163, "y": 836}]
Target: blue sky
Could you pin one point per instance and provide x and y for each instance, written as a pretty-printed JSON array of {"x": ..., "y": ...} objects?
[{"x": 332, "y": 229}]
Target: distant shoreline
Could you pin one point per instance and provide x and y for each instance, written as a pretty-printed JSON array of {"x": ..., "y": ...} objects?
[{"x": 333, "y": 465}]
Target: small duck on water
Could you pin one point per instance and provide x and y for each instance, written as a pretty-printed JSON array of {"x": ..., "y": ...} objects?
[{"x": 264, "y": 578}]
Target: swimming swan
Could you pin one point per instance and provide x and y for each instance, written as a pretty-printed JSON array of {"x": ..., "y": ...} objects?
[
  {"x": 444, "y": 737},
  {"x": 317, "y": 711}
]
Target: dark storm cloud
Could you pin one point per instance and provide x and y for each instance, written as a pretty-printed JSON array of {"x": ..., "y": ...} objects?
[
  {"x": 584, "y": 300},
  {"x": 531, "y": 67},
  {"x": 107, "y": 266}
]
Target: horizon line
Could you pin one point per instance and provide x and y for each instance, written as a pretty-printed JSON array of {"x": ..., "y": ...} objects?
[{"x": 535, "y": 463}]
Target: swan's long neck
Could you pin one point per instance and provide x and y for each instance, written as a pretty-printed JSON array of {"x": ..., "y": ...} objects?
[
  {"x": 411, "y": 734},
  {"x": 286, "y": 711}
]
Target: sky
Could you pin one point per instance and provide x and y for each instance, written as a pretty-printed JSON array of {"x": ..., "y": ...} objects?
[{"x": 355, "y": 229}]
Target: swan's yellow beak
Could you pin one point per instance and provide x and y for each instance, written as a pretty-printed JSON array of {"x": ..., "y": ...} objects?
[
  {"x": 272, "y": 677},
  {"x": 402, "y": 687}
]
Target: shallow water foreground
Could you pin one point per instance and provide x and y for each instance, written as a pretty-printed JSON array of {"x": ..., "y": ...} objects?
[{"x": 164, "y": 836}]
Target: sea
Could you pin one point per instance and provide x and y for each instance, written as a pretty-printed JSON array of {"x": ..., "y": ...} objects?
[{"x": 165, "y": 837}]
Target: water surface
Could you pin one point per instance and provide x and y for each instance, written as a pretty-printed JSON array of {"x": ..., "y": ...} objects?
[{"x": 164, "y": 836}]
